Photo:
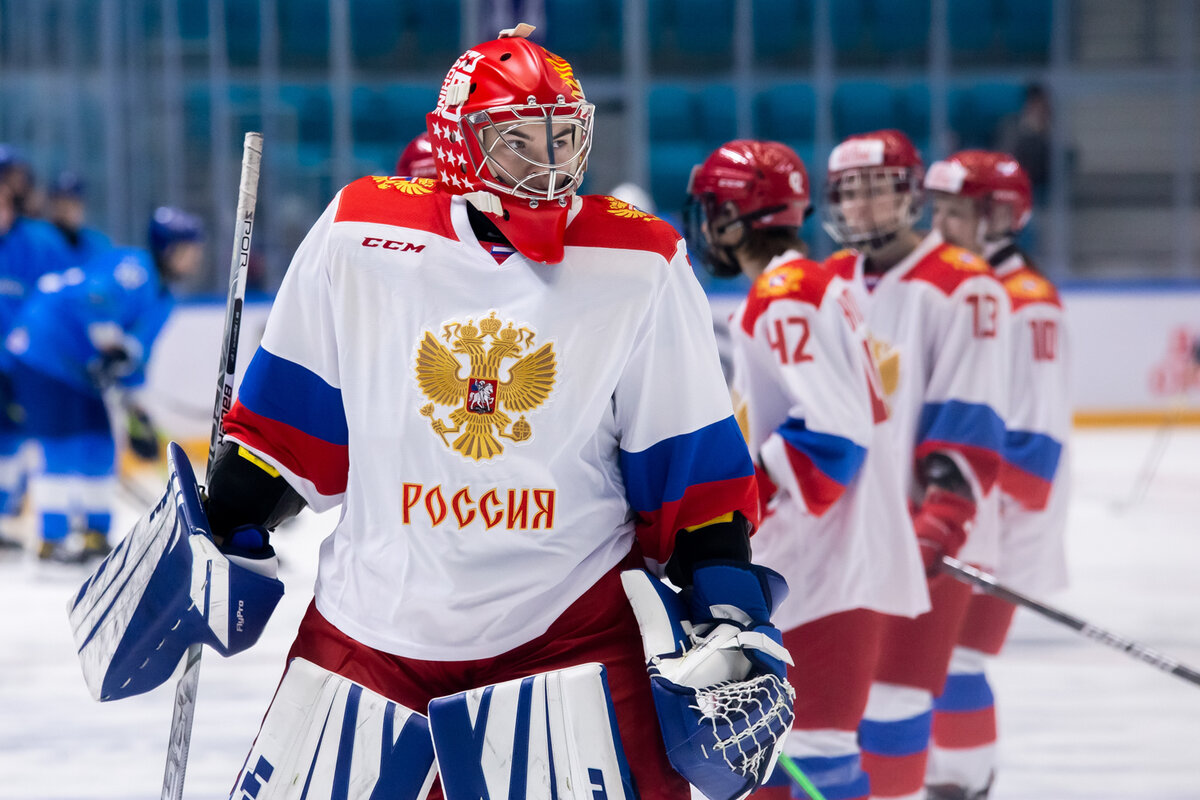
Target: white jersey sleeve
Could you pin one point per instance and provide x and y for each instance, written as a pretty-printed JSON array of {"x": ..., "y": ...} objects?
[{"x": 289, "y": 410}]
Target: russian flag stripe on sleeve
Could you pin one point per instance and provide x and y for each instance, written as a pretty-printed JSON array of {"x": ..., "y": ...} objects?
[
  {"x": 288, "y": 413},
  {"x": 824, "y": 464},
  {"x": 972, "y": 429},
  {"x": 286, "y": 392},
  {"x": 1030, "y": 463},
  {"x": 687, "y": 480}
]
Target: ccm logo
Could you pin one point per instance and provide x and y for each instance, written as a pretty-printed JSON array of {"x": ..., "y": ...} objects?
[{"x": 390, "y": 244}]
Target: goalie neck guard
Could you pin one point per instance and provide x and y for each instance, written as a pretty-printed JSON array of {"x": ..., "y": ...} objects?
[{"x": 511, "y": 132}]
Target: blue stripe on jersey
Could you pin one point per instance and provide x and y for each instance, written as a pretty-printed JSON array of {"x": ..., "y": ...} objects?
[
  {"x": 958, "y": 422},
  {"x": 286, "y": 392},
  {"x": 1035, "y": 453},
  {"x": 965, "y": 692},
  {"x": 663, "y": 472},
  {"x": 895, "y": 738},
  {"x": 835, "y": 456}
]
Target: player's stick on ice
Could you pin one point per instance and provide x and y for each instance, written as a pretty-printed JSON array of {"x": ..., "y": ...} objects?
[
  {"x": 988, "y": 583},
  {"x": 1154, "y": 456},
  {"x": 185, "y": 690}
]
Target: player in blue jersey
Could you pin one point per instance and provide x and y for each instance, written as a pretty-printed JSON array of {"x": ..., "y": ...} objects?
[
  {"x": 28, "y": 248},
  {"x": 84, "y": 337},
  {"x": 67, "y": 212}
]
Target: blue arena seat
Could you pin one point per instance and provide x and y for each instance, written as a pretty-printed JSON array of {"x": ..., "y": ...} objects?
[
  {"x": 670, "y": 167},
  {"x": 704, "y": 27},
  {"x": 436, "y": 24},
  {"x": 782, "y": 28},
  {"x": 672, "y": 113},
  {"x": 1026, "y": 28},
  {"x": 847, "y": 25},
  {"x": 574, "y": 27},
  {"x": 901, "y": 27},
  {"x": 303, "y": 32},
  {"x": 376, "y": 29},
  {"x": 717, "y": 108},
  {"x": 390, "y": 115},
  {"x": 975, "y": 112},
  {"x": 193, "y": 20},
  {"x": 971, "y": 28},
  {"x": 862, "y": 106},
  {"x": 915, "y": 113},
  {"x": 311, "y": 107},
  {"x": 786, "y": 112},
  {"x": 241, "y": 33}
]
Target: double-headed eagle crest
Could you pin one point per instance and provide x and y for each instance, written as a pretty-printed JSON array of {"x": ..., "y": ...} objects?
[{"x": 477, "y": 397}]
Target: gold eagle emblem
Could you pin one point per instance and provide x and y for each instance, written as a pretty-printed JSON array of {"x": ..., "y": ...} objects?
[
  {"x": 406, "y": 185},
  {"x": 626, "y": 210},
  {"x": 478, "y": 396}
]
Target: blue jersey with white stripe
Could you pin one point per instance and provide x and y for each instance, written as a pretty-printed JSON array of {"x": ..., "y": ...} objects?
[{"x": 30, "y": 249}]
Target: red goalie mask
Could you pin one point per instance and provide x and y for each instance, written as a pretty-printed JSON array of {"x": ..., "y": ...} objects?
[{"x": 511, "y": 132}]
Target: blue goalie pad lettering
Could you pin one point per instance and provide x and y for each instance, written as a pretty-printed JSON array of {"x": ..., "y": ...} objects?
[{"x": 164, "y": 587}]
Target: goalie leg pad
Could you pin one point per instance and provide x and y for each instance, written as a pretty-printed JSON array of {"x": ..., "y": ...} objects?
[
  {"x": 326, "y": 736},
  {"x": 546, "y": 736},
  {"x": 165, "y": 587}
]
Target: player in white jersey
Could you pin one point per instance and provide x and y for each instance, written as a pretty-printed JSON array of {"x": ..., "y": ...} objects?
[
  {"x": 810, "y": 401},
  {"x": 981, "y": 201},
  {"x": 513, "y": 392},
  {"x": 940, "y": 321}
]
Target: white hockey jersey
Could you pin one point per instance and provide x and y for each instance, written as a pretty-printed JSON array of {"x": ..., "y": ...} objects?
[
  {"x": 498, "y": 435},
  {"x": 1035, "y": 476},
  {"x": 939, "y": 321},
  {"x": 811, "y": 401}
]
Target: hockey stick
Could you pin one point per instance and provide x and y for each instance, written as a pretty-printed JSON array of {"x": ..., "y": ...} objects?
[
  {"x": 988, "y": 583},
  {"x": 797, "y": 774},
  {"x": 185, "y": 690}
]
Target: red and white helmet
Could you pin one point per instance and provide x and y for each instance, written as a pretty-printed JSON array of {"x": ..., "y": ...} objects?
[
  {"x": 872, "y": 166},
  {"x": 990, "y": 178},
  {"x": 505, "y": 88},
  {"x": 416, "y": 159},
  {"x": 759, "y": 184}
]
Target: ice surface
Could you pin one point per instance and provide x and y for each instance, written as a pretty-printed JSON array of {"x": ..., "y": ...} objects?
[{"x": 1078, "y": 720}]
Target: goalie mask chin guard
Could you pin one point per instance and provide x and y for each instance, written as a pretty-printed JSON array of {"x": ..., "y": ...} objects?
[
  {"x": 873, "y": 191},
  {"x": 512, "y": 131}
]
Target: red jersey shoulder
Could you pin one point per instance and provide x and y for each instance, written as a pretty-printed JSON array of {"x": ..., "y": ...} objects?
[
  {"x": 406, "y": 202},
  {"x": 947, "y": 267},
  {"x": 608, "y": 222},
  {"x": 1027, "y": 286},
  {"x": 842, "y": 263},
  {"x": 800, "y": 279}
]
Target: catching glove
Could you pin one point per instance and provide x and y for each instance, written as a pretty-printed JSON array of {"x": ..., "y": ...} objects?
[
  {"x": 941, "y": 526},
  {"x": 111, "y": 365},
  {"x": 735, "y": 598}
]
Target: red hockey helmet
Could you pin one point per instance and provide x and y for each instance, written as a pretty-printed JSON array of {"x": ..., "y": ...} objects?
[
  {"x": 993, "y": 179},
  {"x": 416, "y": 159},
  {"x": 756, "y": 184},
  {"x": 873, "y": 188},
  {"x": 511, "y": 132}
]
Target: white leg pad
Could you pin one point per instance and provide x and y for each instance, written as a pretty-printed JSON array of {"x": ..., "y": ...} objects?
[
  {"x": 550, "y": 735},
  {"x": 325, "y": 737}
]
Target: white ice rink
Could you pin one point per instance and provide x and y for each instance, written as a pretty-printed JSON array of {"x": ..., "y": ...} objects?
[{"x": 1077, "y": 720}]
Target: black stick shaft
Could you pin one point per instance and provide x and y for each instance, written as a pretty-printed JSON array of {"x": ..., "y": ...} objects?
[{"x": 988, "y": 583}]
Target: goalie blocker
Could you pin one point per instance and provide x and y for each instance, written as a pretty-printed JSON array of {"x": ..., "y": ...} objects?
[{"x": 167, "y": 586}]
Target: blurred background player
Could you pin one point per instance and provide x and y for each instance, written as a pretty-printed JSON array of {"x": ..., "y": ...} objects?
[
  {"x": 416, "y": 159},
  {"x": 28, "y": 249},
  {"x": 619, "y": 414},
  {"x": 17, "y": 174},
  {"x": 981, "y": 201},
  {"x": 941, "y": 324},
  {"x": 810, "y": 400},
  {"x": 67, "y": 212},
  {"x": 83, "y": 337}
]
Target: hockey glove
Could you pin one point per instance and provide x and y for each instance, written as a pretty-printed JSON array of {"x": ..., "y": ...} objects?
[
  {"x": 143, "y": 437},
  {"x": 941, "y": 526},
  {"x": 10, "y": 409},
  {"x": 731, "y": 602},
  {"x": 111, "y": 365}
]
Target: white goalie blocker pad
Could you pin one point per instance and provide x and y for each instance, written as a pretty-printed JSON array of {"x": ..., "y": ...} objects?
[
  {"x": 723, "y": 726},
  {"x": 326, "y": 737},
  {"x": 550, "y": 736},
  {"x": 165, "y": 587}
]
